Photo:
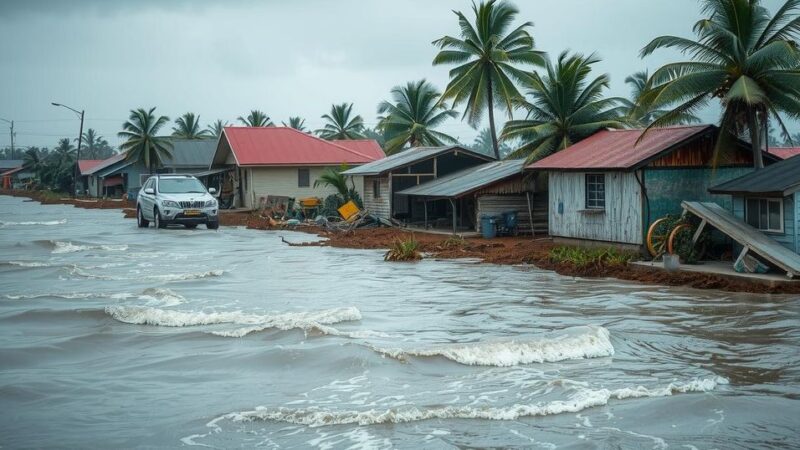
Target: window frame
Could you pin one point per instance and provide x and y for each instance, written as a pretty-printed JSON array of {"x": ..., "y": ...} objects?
[
  {"x": 307, "y": 171},
  {"x": 596, "y": 204},
  {"x": 376, "y": 188},
  {"x": 768, "y": 200}
]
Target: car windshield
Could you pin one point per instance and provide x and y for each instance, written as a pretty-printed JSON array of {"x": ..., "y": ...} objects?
[{"x": 180, "y": 186}]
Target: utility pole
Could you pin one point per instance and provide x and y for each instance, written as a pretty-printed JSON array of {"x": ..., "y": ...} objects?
[
  {"x": 76, "y": 173},
  {"x": 12, "y": 135}
]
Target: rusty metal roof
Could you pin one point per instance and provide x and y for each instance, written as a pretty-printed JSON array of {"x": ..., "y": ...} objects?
[
  {"x": 618, "y": 150},
  {"x": 784, "y": 152},
  {"x": 469, "y": 180}
]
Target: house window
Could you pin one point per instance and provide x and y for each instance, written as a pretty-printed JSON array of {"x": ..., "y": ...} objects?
[
  {"x": 595, "y": 191},
  {"x": 765, "y": 214},
  {"x": 376, "y": 188},
  {"x": 303, "y": 178}
]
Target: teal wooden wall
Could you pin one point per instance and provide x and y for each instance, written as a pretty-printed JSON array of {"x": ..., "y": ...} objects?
[
  {"x": 667, "y": 188},
  {"x": 791, "y": 221}
]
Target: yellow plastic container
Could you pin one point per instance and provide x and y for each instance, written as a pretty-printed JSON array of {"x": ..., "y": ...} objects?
[{"x": 348, "y": 210}]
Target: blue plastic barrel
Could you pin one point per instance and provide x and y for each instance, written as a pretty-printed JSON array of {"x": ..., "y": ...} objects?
[{"x": 488, "y": 229}]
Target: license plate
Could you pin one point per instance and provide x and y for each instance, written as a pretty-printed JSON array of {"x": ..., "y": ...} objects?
[{"x": 191, "y": 212}]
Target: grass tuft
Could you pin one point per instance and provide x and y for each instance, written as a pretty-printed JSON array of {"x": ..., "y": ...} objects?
[
  {"x": 407, "y": 250},
  {"x": 590, "y": 257}
]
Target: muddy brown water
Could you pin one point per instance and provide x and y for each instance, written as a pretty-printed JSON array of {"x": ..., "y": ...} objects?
[{"x": 113, "y": 336}]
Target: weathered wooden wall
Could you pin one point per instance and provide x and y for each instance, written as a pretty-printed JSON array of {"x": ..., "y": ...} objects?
[
  {"x": 496, "y": 205},
  {"x": 621, "y": 221},
  {"x": 378, "y": 206}
]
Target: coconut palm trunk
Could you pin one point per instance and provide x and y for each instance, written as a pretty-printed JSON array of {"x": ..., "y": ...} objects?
[{"x": 492, "y": 130}]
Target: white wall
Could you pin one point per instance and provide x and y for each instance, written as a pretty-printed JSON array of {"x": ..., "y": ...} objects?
[
  {"x": 620, "y": 222},
  {"x": 262, "y": 181}
]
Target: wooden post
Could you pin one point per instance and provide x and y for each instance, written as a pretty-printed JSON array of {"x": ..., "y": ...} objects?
[
  {"x": 453, "y": 205},
  {"x": 744, "y": 251},
  {"x": 530, "y": 214},
  {"x": 699, "y": 230},
  {"x": 425, "y": 202}
]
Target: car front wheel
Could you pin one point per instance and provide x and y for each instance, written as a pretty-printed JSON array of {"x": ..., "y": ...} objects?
[
  {"x": 157, "y": 219},
  {"x": 212, "y": 225},
  {"x": 140, "y": 220}
]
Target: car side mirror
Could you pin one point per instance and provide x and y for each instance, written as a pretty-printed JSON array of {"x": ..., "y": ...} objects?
[
  {"x": 212, "y": 190},
  {"x": 149, "y": 191}
]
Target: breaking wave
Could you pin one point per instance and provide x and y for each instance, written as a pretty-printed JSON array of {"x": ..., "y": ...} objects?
[
  {"x": 577, "y": 343},
  {"x": 305, "y": 320},
  {"x": 69, "y": 247},
  {"x": 186, "y": 276},
  {"x": 29, "y": 264},
  {"x": 581, "y": 400},
  {"x": 45, "y": 223}
]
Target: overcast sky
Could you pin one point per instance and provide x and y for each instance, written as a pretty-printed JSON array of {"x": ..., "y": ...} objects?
[{"x": 222, "y": 59}]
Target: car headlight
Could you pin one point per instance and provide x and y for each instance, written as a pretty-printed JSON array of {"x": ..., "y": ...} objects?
[
  {"x": 211, "y": 203},
  {"x": 170, "y": 204}
]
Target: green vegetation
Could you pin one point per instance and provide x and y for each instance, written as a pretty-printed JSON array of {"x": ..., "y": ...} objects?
[
  {"x": 94, "y": 146},
  {"x": 403, "y": 250},
  {"x": 583, "y": 258},
  {"x": 486, "y": 58},
  {"x": 454, "y": 241},
  {"x": 638, "y": 114},
  {"x": 742, "y": 56},
  {"x": 344, "y": 192},
  {"x": 256, "y": 118},
  {"x": 565, "y": 107},
  {"x": 187, "y": 126},
  {"x": 411, "y": 117},
  {"x": 298, "y": 123},
  {"x": 142, "y": 142},
  {"x": 215, "y": 129},
  {"x": 341, "y": 124}
]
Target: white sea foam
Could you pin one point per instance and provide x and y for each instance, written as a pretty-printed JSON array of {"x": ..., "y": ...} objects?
[
  {"x": 69, "y": 247},
  {"x": 581, "y": 400},
  {"x": 162, "y": 297},
  {"x": 28, "y": 264},
  {"x": 44, "y": 223},
  {"x": 576, "y": 343},
  {"x": 305, "y": 320},
  {"x": 186, "y": 276}
]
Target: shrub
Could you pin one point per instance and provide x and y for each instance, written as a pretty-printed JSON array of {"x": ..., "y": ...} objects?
[
  {"x": 406, "y": 250},
  {"x": 454, "y": 241}
]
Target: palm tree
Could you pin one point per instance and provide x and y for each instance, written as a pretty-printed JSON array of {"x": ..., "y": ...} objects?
[
  {"x": 187, "y": 126},
  {"x": 483, "y": 144},
  {"x": 34, "y": 160},
  {"x": 142, "y": 142},
  {"x": 565, "y": 107},
  {"x": 334, "y": 178},
  {"x": 486, "y": 58},
  {"x": 376, "y": 135},
  {"x": 340, "y": 124},
  {"x": 256, "y": 118},
  {"x": 215, "y": 129},
  {"x": 640, "y": 115},
  {"x": 94, "y": 146},
  {"x": 744, "y": 57},
  {"x": 412, "y": 115},
  {"x": 298, "y": 123}
]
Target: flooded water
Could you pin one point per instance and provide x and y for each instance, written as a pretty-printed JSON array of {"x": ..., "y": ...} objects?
[{"x": 112, "y": 336}]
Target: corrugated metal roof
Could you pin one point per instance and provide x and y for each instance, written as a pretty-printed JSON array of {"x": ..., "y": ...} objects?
[
  {"x": 617, "y": 149},
  {"x": 190, "y": 152},
  {"x": 468, "y": 180},
  {"x": 105, "y": 163},
  {"x": 87, "y": 164},
  {"x": 781, "y": 178},
  {"x": 369, "y": 147},
  {"x": 11, "y": 172},
  {"x": 274, "y": 146},
  {"x": 6, "y": 164},
  {"x": 784, "y": 152},
  {"x": 408, "y": 157}
]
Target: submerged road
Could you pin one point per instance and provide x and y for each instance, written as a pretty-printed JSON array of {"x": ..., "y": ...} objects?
[{"x": 113, "y": 336}]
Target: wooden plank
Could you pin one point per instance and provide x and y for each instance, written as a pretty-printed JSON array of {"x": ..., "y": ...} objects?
[
  {"x": 699, "y": 231},
  {"x": 746, "y": 235}
]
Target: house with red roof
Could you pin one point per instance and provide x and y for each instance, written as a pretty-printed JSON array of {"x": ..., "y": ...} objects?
[
  {"x": 252, "y": 163},
  {"x": 611, "y": 186},
  {"x": 784, "y": 152}
]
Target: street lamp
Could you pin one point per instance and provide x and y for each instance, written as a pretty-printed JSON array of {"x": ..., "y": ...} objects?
[
  {"x": 76, "y": 173},
  {"x": 11, "y": 122}
]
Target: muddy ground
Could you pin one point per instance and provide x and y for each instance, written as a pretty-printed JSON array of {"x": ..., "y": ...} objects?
[{"x": 505, "y": 250}]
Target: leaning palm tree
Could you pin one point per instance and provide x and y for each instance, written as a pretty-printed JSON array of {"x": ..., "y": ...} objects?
[
  {"x": 256, "y": 118},
  {"x": 341, "y": 125},
  {"x": 412, "y": 116},
  {"x": 215, "y": 129},
  {"x": 640, "y": 115},
  {"x": 298, "y": 123},
  {"x": 487, "y": 56},
  {"x": 743, "y": 56},
  {"x": 34, "y": 160},
  {"x": 566, "y": 106},
  {"x": 187, "y": 126},
  {"x": 141, "y": 140}
]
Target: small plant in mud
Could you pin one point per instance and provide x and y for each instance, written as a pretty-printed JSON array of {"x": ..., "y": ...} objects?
[
  {"x": 590, "y": 257},
  {"x": 403, "y": 250},
  {"x": 454, "y": 241}
]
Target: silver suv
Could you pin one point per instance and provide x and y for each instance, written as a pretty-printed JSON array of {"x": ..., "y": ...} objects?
[{"x": 178, "y": 199}]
